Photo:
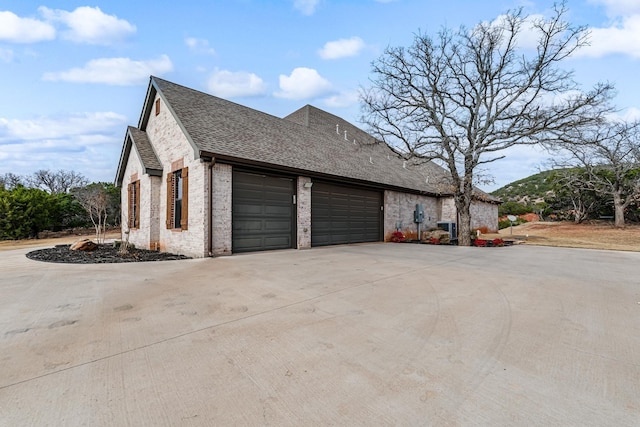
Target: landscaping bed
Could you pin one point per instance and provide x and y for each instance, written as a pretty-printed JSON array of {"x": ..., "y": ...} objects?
[{"x": 103, "y": 254}]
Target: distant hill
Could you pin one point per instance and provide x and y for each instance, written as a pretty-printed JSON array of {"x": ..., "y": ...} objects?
[{"x": 528, "y": 190}]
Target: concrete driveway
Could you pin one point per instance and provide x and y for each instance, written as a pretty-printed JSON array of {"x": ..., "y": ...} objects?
[{"x": 379, "y": 334}]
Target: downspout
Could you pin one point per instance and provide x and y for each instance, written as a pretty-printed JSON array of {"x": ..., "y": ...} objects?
[{"x": 210, "y": 202}]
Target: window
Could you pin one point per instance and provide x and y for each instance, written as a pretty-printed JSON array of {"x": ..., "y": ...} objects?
[
  {"x": 133, "y": 219},
  {"x": 157, "y": 106},
  {"x": 177, "y": 199}
]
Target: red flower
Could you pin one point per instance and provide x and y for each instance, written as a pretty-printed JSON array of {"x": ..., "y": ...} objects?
[
  {"x": 397, "y": 236},
  {"x": 497, "y": 242},
  {"x": 480, "y": 243}
]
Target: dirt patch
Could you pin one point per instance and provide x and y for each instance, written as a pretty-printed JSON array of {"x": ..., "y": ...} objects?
[
  {"x": 104, "y": 254},
  {"x": 6, "y": 245},
  {"x": 593, "y": 235}
]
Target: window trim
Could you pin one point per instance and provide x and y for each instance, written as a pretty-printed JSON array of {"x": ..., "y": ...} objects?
[{"x": 173, "y": 179}]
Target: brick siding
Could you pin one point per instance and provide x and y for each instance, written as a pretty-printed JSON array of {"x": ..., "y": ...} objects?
[
  {"x": 304, "y": 213},
  {"x": 398, "y": 211}
]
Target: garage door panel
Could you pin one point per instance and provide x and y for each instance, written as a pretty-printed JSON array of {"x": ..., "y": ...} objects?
[
  {"x": 341, "y": 214},
  {"x": 247, "y": 209},
  {"x": 262, "y": 212},
  {"x": 276, "y": 242},
  {"x": 278, "y": 211},
  {"x": 247, "y": 226},
  {"x": 277, "y": 226}
]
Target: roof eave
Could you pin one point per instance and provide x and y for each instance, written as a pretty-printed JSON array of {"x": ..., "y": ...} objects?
[
  {"x": 237, "y": 161},
  {"x": 148, "y": 104},
  {"x": 124, "y": 156}
]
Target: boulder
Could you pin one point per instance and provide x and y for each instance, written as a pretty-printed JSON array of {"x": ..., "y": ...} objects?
[
  {"x": 83, "y": 245},
  {"x": 441, "y": 235}
]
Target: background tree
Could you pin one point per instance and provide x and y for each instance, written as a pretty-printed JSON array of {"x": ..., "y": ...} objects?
[
  {"x": 608, "y": 157},
  {"x": 94, "y": 198},
  {"x": 24, "y": 212},
  {"x": 464, "y": 96},
  {"x": 572, "y": 193},
  {"x": 9, "y": 181},
  {"x": 56, "y": 182},
  {"x": 513, "y": 208},
  {"x": 113, "y": 204}
]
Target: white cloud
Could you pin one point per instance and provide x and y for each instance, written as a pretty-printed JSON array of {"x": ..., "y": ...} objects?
[
  {"x": 619, "y": 7},
  {"x": 230, "y": 84},
  {"x": 306, "y": 7},
  {"x": 90, "y": 25},
  {"x": 24, "y": 30},
  {"x": 343, "y": 99},
  {"x": 629, "y": 115},
  {"x": 341, "y": 48},
  {"x": 199, "y": 46},
  {"x": 88, "y": 143},
  {"x": 53, "y": 128},
  {"x": 6, "y": 55},
  {"x": 114, "y": 71},
  {"x": 303, "y": 83},
  {"x": 623, "y": 37}
]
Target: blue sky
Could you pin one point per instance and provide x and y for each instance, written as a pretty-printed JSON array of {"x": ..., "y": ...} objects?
[{"x": 74, "y": 74}]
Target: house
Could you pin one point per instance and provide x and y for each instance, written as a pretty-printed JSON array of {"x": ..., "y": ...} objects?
[{"x": 203, "y": 176}]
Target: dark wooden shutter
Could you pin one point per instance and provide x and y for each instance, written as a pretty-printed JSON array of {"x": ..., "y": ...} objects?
[
  {"x": 137, "y": 203},
  {"x": 184, "y": 220},
  {"x": 170, "y": 199},
  {"x": 130, "y": 205}
]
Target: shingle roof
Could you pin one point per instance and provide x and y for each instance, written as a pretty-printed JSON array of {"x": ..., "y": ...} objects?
[
  {"x": 138, "y": 140},
  {"x": 230, "y": 131},
  {"x": 145, "y": 150}
]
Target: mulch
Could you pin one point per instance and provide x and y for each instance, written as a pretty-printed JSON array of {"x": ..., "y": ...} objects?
[{"x": 104, "y": 254}]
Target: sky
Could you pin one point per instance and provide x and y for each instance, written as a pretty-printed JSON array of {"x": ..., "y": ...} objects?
[{"x": 73, "y": 74}]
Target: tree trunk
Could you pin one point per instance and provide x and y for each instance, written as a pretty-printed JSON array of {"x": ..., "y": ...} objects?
[
  {"x": 618, "y": 209},
  {"x": 464, "y": 232}
]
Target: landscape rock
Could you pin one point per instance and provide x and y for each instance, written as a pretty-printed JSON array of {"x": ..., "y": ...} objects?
[
  {"x": 84, "y": 245},
  {"x": 441, "y": 235}
]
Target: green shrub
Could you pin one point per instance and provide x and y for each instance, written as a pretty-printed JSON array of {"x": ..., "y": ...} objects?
[{"x": 513, "y": 208}]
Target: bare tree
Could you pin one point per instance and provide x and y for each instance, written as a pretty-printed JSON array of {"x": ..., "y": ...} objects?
[
  {"x": 57, "y": 182},
  {"x": 95, "y": 200},
  {"x": 610, "y": 158},
  {"x": 9, "y": 181},
  {"x": 571, "y": 186},
  {"x": 464, "y": 96}
]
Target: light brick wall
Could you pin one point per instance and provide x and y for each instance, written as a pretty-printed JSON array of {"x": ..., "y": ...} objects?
[
  {"x": 221, "y": 210},
  {"x": 155, "y": 185},
  {"x": 304, "y": 214},
  {"x": 170, "y": 145},
  {"x": 447, "y": 209},
  {"x": 484, "y": 215},
  {"x": 399, "y": 207},
  {"x": 141, "y": 237}
]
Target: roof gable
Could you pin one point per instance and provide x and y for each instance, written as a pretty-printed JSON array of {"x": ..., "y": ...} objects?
[{"x": 138, "y": 140}]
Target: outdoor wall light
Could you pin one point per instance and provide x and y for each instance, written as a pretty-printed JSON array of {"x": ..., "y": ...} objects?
[{"x": 308, "y": 184}]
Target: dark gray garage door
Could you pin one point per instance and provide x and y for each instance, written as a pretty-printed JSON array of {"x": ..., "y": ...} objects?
[
  {"x": 263, "y": 212},
  {"x": 344, "y": 215}
]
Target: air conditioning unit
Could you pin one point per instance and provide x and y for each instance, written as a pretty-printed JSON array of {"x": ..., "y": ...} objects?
[{"x": 450, "y": 227}]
